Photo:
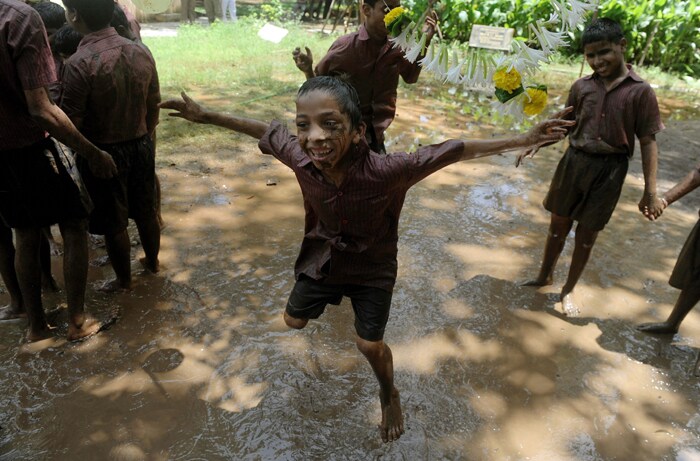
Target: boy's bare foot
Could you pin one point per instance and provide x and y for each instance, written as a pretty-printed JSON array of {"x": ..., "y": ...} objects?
[
  {"x": 113, "y": 286},
  {"x": 11, "y": 313},
  {"x": 538, "y": 282},
  {"x": 569, "y": 306},
  {"x": 661, "y": 328},
  {"x": 38, "y": 335},
  {"x": 392, "y": 418},
  {"x": 90, "y": 326},
  {"x": 150, "y": 266}
]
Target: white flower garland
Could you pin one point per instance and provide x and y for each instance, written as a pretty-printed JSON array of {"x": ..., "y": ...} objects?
[{"x": 476, "y": 67}]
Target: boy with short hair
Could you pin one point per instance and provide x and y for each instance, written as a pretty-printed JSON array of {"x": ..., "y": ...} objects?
[
  {"x": 686, "y": 273},
  {"x": 373, "y": 64},
  {"x": 353, "y": 199},
  {"x": 611, "y": 107},
  {"x": 111, "y": 92}
]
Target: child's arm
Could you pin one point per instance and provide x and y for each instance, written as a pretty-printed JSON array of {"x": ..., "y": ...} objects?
[
  {"x": 304, "y": 62},
  {"x": 188, "y": 109},
  {"x": 685, "y": 186},
  {"x": 650, "y": 204},
  {"x": 548, "y": 132}
]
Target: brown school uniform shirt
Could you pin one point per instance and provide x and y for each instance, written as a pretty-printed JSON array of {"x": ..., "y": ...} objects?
[
  {"x": 25, "y": 64},
  {"x": 351, "y": 231},
  {"x": 110, "y": 88},
  {"x": 608, "y": 121},
  {"x": 374, "y": 71}
]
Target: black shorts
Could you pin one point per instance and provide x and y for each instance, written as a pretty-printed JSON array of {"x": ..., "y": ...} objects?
[
  {"x": 586, "y": 187},
  {"x": 309, "y": 298},
  {"x": 686, "y": 273},
  {"x": 130, "y": 194},
  {"x": 40, "y": 186}
]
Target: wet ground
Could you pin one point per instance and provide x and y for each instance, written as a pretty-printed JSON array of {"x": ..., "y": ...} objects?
[{"x": 201, "y": 367}]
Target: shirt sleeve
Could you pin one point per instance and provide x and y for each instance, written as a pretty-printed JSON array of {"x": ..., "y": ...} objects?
[
  {"x": 648, "y": 121},
  {"x": 76, "y": 89},
  {"x": 280, "y": 144},
  {"x": 31, "y": 52},
  {"x": 429, "y": 159},
  {"x": 409, "y": 71},
  {"x": 332, "y": 61}
]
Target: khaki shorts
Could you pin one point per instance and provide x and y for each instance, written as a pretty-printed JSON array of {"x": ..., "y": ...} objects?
[
  {"x": 586, "y": 187},
  {"x": 686, "y": 273}
]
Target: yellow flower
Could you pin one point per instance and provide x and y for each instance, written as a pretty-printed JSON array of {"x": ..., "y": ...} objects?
[
  {"x": 537, "y": 100},
  {"x": 393, "y": 15},
  {"x": 507, "y": 80}
]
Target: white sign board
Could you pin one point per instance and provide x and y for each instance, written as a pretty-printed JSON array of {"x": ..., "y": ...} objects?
[{"x": 493, "y": 38}]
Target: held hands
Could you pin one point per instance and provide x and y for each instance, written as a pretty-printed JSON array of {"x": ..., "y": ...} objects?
[
  {"x": 304, "y": 61},
  {"x": 651, "y": 206},
  {"x": 552, "y": 130},
  {"x": 102, "y": 165},
  {"x": 186, "y": 108}
]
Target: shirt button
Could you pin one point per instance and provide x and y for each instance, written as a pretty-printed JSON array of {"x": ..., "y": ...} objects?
[
  {"x": 344, "y": 221},
  {"x": 340, "y": 193}
]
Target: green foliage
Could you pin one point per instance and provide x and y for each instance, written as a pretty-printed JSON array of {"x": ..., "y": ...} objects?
[
  {"x": 673, "y": 25},
  {"x": 275, "y": 11}
]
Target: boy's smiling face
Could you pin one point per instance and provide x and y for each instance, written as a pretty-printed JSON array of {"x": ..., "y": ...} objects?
[
  {"x": 607, "y": 59},
  {"x": 324, "y": 131}
]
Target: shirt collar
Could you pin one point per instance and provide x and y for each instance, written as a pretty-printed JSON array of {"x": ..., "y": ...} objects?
[
  {"x": 362, "y": 34},
  {"x": 101, "y": 34}
]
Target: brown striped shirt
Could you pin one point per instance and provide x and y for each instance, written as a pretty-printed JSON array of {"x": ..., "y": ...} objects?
[
  {"x": 110, "y": 88},
  {"x": 351, "y": 231},
  {"x": 608, "y": 121},
  {"x": 25, "y": 64},
  {"x": 374, "y": 71}
]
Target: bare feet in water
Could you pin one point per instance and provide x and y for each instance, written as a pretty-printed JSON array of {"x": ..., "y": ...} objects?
[
  {"x": 38, "y": 335},
  {"x": 538, "y": 282},
  {"x": 569, "y": 306},
  {"x": 661, "y": 328},
  {"x": 89, "y": 326},
  {"x": 49, "y": 284},
  {"x": 11, "y": 313},
  {"x": 392, "y": 418},
  {"x": 113, "y": 286},
  {"x": 152, "y": 267}
]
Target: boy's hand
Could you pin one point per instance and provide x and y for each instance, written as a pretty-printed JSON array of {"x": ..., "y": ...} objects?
[
  {"x": 303, "y": 61},
  {"x": 651, "y": 206},
  {"x": 186, "y": 108},
  {"x": 527, "y": 153},
  {"x": 557, "y": 130},
  {"x": 102, "y": 165},
  {"x": 430, "y": 26}
]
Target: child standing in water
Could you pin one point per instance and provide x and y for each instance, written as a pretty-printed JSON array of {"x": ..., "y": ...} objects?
[
  {"x": 353, "y": 198},
  {"x": 611, "y": 107}
]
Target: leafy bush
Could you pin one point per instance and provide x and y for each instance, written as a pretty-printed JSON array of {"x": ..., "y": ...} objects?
[{"x": 664, "y": 33}]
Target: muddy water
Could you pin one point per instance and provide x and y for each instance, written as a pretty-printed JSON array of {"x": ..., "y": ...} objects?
[{"x": 201, "y": 367}]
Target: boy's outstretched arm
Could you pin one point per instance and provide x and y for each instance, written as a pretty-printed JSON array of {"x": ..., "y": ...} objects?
[
  {"x": 188, "y": 109},
  {"x": 650, "y": 204},
  {"x": 531, "y": 151},
  {"x": 548, "y": 132}
]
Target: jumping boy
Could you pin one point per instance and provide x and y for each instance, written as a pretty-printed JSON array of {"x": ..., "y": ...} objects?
[
  {"x": 686, "y": 273},
  {"x": 353, "y": 198},
  {"x": 111, "y": 92},
  {"x": 611, "y": 107},
  {"x": 373, "y": 64}
]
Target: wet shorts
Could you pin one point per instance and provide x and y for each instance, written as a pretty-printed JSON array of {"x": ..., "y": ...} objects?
[
  {"x": 130, "y": 194},
  {"x": 586, "y": 187},
  {"x": 309, "y": 298},
  {"x": 40, "y": 186},
  {"x": 686, "y": 273}
]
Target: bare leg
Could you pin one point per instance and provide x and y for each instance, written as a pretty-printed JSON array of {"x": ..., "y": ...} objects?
[
  {"x": 559, "y": 228},
  {"x": 688, "y": 298},
  {"x": 149, "y": 231},
  {"x": 293, "y": 322},
  {"x": 379, "y": 356},
  {"x": 47, "y": 281},
  {"x": 75, "y": 269},
  {"x": 585, "y": 239},
  {"x": 119, "y": 251},
  {"x": 28, "y": 270},
  {"x": 9, "y": 276},
  {"x": 161, "y": 223}
]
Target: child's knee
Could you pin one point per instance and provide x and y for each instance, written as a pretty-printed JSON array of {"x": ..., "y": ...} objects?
[{"x": 295, "y": 323}]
